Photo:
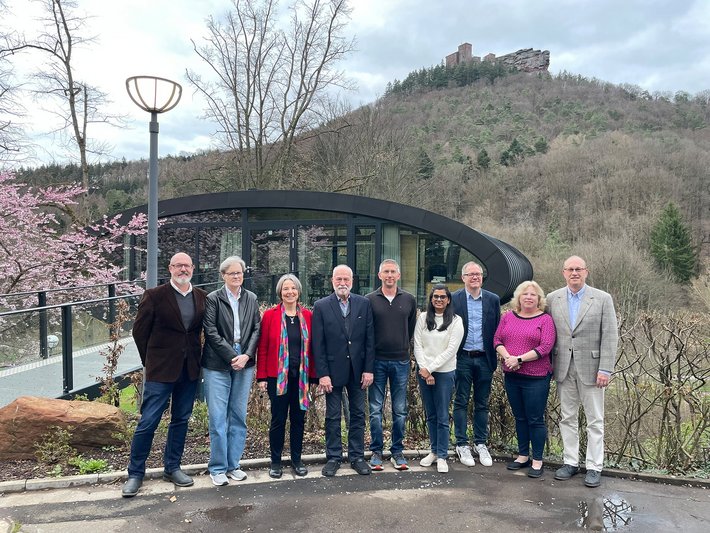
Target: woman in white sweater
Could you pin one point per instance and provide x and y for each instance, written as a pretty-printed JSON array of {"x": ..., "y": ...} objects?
[{"x": 437, "y": 336}]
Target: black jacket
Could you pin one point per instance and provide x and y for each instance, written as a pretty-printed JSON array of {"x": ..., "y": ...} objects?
[{"x": 219, "y": 329}]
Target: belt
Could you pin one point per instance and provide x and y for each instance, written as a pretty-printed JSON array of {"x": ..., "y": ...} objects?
[{"x": 473, "y": 353}]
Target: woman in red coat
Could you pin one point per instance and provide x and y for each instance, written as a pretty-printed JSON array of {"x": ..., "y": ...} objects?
[{"x": 284, "y": 367}]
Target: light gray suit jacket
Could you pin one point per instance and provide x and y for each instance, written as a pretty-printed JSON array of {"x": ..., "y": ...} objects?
[{"x": 594, "y": 338}]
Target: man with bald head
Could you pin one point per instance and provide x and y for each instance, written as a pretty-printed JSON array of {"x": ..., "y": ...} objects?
[
  {"x": 343, "y": 345},
  {"x": 167, "y": 335},
  {"x": 585, "y": 355}
]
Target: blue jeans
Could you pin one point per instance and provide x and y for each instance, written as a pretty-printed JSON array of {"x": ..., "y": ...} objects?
[
  {"x": 397, "y": 372},
  {"x": 227, "y": 395},
  {"x": 436, "y": 399},
  {"x": 156, "y": 396},
  {"x": 356, "y": 428},
  {"x": 528, "y": 400},
  {"x": 472, "y": 372}
]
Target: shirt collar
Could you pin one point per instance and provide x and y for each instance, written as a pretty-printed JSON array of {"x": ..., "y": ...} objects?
[
  {"x": 579, "y": 293},
  {"x": 469, "y": 295},
  {"x": 230, "y": 294},
  {"x": 184, "y": 293}
]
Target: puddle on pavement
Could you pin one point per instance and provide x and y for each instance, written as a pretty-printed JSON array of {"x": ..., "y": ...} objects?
[
  {"x": 611, "y": 513},
  {"x": 219, "y": 515}
]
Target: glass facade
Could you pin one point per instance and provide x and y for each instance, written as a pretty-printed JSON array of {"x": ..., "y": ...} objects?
[{"x": 307, "y": 243}]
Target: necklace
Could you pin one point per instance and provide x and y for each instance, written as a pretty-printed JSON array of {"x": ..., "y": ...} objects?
[{"x": 292, "y": 318}]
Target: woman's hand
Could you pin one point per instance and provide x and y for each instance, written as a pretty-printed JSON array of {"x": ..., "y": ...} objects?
[
  {"x": 510, "y": 362},
  {"x": 240, "y": 361}
]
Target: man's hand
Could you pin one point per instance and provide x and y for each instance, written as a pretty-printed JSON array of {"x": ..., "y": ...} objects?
[
  {"x": 367, "y": 379},
  {"x": 325, "y": 385},
  {"x": 602, "y": 380},
  {"x": 262, "y": 386}
]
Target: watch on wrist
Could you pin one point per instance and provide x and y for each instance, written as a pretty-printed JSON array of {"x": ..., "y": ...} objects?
[{"x": 520, "y": 360}]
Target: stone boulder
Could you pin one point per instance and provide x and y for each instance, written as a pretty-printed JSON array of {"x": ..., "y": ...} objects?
[{"x": 24, "y": 422}]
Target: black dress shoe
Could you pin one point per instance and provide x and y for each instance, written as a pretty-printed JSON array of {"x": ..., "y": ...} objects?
[
  {"x": 515, "y": 465},
  {"x": 299, "y": 469},
  {"x": 534, "y": 472},
  {"x": 276, "y": 471},
  {"x": 361, "y": 467},
  {"x": 331, "y": 467},
  {"x": 179, "y": 478},
  {"x": 566, "y": 472},
  {"x": 130, "y": 487}
]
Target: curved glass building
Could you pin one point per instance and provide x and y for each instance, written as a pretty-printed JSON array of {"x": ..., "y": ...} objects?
[{"x": 308, "y": 233}]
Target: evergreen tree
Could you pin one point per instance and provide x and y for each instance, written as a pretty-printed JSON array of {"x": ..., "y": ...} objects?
[
  {"x": 425, "y": 167},
  {"x": 672, "y": 245},
  {"x": 483, "y": 159}
]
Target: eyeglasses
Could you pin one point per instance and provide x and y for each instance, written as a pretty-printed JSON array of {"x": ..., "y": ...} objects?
[
  {"x": 181, "y": 266},
  {"x": 234, "y": 274},
  {"x": 473, "y": 275},
  {"x": 575, "y": 269},
  {"x": 439, "y": 297}
]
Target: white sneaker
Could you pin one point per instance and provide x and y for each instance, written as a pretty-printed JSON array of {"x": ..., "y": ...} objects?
[
  {"x": 428, "y": 460},
  {"x": 237, "y": 475},
  {"x": 483, "y": 455},
  {"x": 464, "y": 453},
  {"x": 442, "y": 466},
  {"x": 219, "y": 480}
]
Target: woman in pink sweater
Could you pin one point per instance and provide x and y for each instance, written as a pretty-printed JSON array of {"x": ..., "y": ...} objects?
[{"x": 524, "y": 341}]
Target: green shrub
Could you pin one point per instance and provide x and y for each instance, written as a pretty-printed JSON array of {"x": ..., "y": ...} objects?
[{"x": 55, "y": 447}]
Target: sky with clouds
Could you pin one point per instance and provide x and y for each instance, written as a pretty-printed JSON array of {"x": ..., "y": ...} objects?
[{"x": 659, "y": 45}]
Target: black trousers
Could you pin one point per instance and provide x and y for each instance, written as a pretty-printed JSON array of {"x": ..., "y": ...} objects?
[
  {"x": 281, "y": 407},
  {"x": 356, "y": 431}
]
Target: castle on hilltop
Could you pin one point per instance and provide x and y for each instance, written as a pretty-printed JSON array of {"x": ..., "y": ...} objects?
[{"x": 526, "y": 60}]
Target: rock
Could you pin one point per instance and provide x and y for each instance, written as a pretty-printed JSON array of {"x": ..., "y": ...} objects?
[{"x": 28, "y": 418}]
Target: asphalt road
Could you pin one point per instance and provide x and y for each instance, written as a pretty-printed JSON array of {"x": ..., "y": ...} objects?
[{"x": 465, "y": 499}]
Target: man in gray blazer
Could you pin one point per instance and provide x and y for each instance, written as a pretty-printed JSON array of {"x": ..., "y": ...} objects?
[{"x": 585, "y": 354}]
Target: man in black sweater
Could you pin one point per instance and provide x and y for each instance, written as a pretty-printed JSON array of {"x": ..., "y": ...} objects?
[{"x": 395, "y": 314}]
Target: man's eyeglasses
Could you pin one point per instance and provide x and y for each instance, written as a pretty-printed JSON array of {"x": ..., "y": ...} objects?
[
  {"x": 575, "y": 269},
  {"x": 234, "y": 274},
  {"x": 473, "y": 275},
  {"x": 181, "y": 266},
  {"x": 439, "y": 297}
]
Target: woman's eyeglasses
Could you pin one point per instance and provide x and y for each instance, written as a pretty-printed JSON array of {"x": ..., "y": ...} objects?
[{"x": 439, "y": 297}]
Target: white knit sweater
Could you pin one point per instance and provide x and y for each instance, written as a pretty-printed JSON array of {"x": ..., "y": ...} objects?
[{"x": 436, "y": 350}]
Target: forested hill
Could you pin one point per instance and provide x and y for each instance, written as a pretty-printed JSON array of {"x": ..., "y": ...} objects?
[{"x": 551, "y": 164}]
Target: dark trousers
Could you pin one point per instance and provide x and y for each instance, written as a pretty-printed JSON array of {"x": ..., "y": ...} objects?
[
  {"x": 282, "y": 407},
  {"x": 156, "y": 396},
  {"x": 472, "y": 372},
  {"x": 528, "y": 400},
  {"x": 356, "y": 431}
]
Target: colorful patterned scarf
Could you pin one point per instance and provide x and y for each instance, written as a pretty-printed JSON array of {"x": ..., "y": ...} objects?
[{"x": 282, "y": 378}]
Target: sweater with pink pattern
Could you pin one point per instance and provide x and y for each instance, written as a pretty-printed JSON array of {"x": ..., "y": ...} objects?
[{"x": 520, "y": 335}]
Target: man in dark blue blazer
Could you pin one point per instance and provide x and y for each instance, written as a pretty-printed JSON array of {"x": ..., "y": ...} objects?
[
  {"x": 343, "y": 345},
  {"x": 475, "y": 362}
]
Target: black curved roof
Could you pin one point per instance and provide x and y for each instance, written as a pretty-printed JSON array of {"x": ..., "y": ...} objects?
[{"x": 505, "y": 265}]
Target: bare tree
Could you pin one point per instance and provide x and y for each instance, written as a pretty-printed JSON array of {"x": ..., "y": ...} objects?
[
  {"x": 266, "y": 85},
  {"x": 12, "y": 145},
  {"x": 79, "y": 103}
]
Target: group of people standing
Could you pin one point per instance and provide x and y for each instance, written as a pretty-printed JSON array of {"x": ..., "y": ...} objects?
[{"x": 354, "y": 346}]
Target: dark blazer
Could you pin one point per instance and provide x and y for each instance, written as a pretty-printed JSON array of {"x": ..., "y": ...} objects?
[
  {"x": 491, "y": 317},
  {"x": 267, "y": 359},
  {"x": 335, "y": 351},
  {"x": 219, "y": 329},
  {"x": 163, "y": 342}
]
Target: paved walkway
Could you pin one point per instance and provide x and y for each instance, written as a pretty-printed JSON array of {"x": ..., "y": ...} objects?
[
  {"x": 465, "y": 499},
  {"x": 44, "y": 377}
]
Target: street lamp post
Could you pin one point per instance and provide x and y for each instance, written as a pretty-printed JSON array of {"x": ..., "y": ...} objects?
[{"x": 155, "y": 95}]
